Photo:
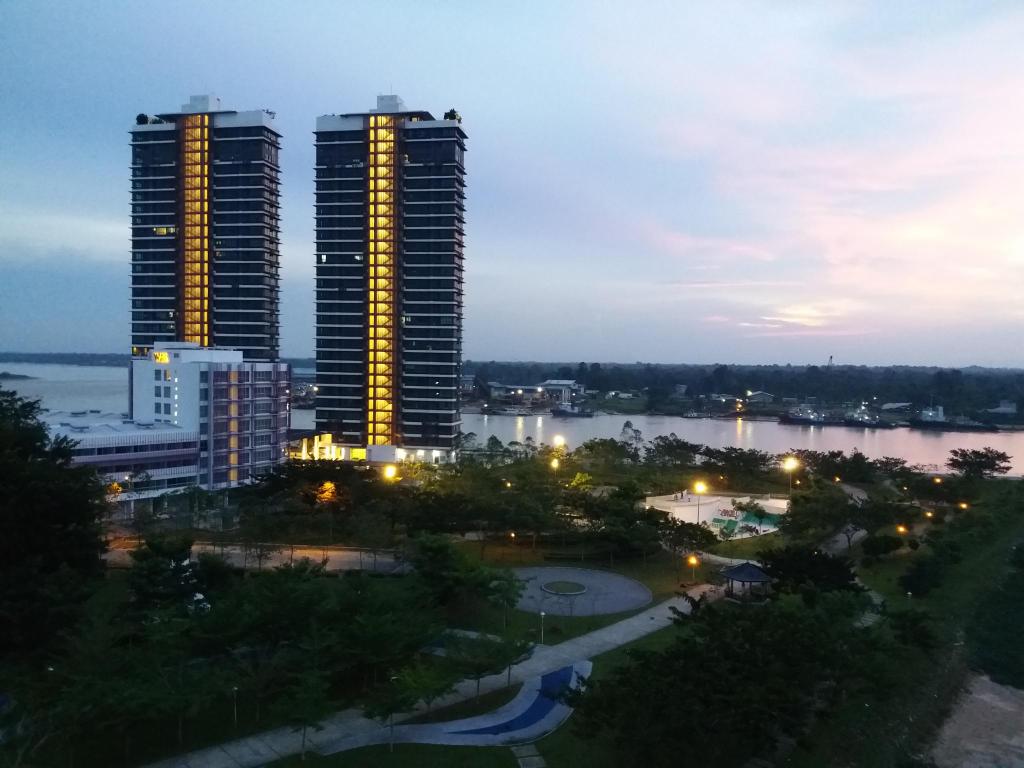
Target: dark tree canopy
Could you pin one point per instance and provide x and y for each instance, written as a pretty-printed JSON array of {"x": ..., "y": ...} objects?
[
  {"x": 977, "y": 463},
  {"x": 50, "y": 538}
]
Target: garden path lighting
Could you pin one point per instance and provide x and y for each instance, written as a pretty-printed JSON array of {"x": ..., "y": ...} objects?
[
  {"x": 789, "y": 466},
  {"x": 700, "y": 488}
]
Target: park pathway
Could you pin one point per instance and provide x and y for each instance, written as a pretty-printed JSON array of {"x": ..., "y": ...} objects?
[{"x": 266, "y": 747}]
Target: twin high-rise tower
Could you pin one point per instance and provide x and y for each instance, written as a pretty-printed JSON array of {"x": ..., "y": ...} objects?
[
  {"x": 206, "y": 229},
  {"x": 389, "y": 251}
]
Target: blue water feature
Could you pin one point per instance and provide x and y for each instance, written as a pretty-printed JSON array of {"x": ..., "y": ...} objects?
[{"x": 551, "y": 686}]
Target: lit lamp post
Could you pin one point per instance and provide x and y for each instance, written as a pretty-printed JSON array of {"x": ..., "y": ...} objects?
[
  {"x": 693, "y": 561},
  {"x": 542, "y": 627},
  {"x": 700, "y": 488},
  {"x": 901, "y": 530},
  {"x": 554, "y": 463},
  {"x": 234, "y": 698},
  {"x": 789, "y": 466}
]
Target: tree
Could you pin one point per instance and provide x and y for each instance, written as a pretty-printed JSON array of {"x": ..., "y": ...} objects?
[
  {"x": 162, "y": 573},
  {"x": 50, "y": 535},
  {"x": 427, "y": 682},
  {"x": 732, "y": 666},
  {"x": 816, "y": 511},
  {"x": 681, "y": 538},
  {"x": 477, "y": 657},
  {"x": 505, "y": 591},
  {"x": 305, "y": 702},
  {"x": 447, "y": 572},
  {"x": 978, "y": 464},
  {"x": 795, "y": 566},
  {"x": 672, "y": 451},
  {"x": 879, "y": 545},
  {"x": 753, "y": 508}
]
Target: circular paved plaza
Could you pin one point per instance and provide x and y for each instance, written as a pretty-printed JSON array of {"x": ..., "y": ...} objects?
[{"x": 603, "y": 592}]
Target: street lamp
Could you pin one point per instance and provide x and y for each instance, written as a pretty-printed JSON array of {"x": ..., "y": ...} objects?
[
  {"x": 390, "y": 472},
  {"x": 542, "y": 614},
  {"x": 693, "y": 561},
  {"x": 789, "y": 466},
  {"x": 559, "y": 441},
  {"x": 234, "y": 698},
  {"x": 929, "y": 514},
  {"x": 901, "y": 530},
  {"x": 554, "y": 463},
  {"x": 963, "y": 505},
  {"x": 700, "y": 488}
]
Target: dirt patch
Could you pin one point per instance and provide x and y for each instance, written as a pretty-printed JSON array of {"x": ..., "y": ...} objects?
[{"x": 985, "y": 730}]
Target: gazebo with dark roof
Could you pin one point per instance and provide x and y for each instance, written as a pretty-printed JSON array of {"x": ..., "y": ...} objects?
[{"x": 746, "y": 574}]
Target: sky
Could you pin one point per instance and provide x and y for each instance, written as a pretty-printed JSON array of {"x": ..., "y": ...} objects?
[{"x": 737, "y": 182}]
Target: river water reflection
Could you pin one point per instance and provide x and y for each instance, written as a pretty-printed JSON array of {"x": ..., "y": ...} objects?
[
  {"x": 916, "y": 446},
  {"x": 72, "y": 387}
]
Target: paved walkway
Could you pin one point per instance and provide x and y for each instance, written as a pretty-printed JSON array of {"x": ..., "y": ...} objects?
[
  {"x": 606, "y": 592},
  {"x": 531, "y": 715},
  {"x": 262, "y": 748}
]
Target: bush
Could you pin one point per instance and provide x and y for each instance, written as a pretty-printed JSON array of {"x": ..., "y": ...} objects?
[
  {"x": 923, "y": 575},
  {"x": 914, "y": 544},
  {"x": 877, "y": 546}
]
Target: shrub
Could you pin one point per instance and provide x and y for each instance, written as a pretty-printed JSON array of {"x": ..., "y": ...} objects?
[{"x": 880, "y": 545}]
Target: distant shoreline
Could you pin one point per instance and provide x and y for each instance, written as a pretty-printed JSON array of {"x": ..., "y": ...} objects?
[{"x": 8, "y": 376}]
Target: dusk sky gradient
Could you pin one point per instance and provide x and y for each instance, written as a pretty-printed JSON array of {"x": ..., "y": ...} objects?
[{"x": 667, "y": 182}]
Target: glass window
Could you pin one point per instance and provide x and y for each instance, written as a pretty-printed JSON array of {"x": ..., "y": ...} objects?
[
  {"x": 167, "y": 409},
  {"x": 156, "y": 391},
  {"x": 156, "y": 407}
]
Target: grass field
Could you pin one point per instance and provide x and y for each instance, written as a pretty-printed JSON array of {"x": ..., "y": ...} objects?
[
  {"x": 409, "y": 756},
  {"x": 749, "y": 547}
]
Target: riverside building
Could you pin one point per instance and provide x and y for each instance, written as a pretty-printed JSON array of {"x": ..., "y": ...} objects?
[
  {"x": 390, "y": 212},
  {"x": 206, "y": 229},
  {"x": 203, "y": 416}
]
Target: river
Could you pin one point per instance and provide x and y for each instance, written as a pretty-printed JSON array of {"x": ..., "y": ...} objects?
[{"x": 72, "y": 387}]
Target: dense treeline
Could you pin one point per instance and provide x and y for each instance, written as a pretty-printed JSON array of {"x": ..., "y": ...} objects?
[{"x": 967, "y": 389}]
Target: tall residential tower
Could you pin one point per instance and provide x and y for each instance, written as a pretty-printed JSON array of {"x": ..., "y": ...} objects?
[
  {"x": 389, "y": 239},
  {"x": 206, "y": 229}
]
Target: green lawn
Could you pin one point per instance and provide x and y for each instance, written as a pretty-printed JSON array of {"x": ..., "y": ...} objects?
[
  {"x": 409, "y": 756},
  {"x": 749, "y": 547}
]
